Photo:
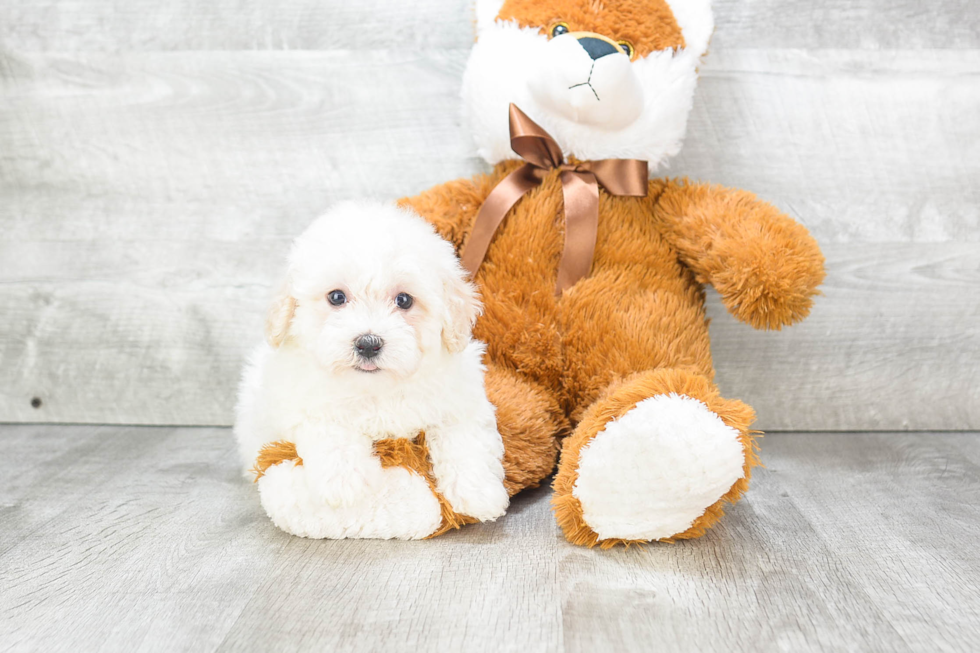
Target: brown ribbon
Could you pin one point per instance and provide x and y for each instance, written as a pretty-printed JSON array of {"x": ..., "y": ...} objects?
[{"x": 580, "y": 190}]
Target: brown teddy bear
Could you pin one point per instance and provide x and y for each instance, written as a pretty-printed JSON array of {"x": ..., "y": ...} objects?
[{"x": 591, "y": 272}]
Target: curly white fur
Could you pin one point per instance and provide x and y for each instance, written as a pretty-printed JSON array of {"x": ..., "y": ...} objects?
[{"x": 310, "y": 387}]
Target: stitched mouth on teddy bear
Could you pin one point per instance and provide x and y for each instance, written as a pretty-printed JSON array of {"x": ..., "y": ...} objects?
[{"x": 588, "y": 82}]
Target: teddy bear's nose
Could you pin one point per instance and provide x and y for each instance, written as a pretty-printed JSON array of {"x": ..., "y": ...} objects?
[
  {"x": 597, "y": 48},
  {"x": 368, "y": 345}
]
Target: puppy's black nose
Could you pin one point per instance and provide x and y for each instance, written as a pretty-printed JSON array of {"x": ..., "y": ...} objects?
[
  {"x": 597, "y": 48},
  {"x": 368, "y": 345}
]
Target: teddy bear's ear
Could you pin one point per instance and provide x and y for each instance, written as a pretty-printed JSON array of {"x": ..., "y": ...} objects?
[
  {"x": 486, "y": 13},
  {"x": 280, "y": 316},
  {"x": 462, "y": 307},
  {"x": 696, "y": 21}
]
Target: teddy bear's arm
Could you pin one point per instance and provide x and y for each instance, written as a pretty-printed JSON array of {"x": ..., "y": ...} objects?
[
  {"x": 449, "y": 207},
  {"x": 452, "y": 207},
  {"x": 765, "y": 265}
]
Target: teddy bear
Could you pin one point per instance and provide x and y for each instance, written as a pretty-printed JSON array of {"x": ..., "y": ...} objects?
[{"x": 592, "y": 269}]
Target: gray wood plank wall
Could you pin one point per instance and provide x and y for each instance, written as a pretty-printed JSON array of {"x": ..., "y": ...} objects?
[{"x": 157, "y": 158}]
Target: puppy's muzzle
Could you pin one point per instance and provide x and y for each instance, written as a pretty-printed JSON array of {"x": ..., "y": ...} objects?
[{"x": 368, "y": 345}]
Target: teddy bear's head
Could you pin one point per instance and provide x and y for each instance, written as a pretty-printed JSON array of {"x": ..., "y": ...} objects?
[{"x": 606, "y": 78}]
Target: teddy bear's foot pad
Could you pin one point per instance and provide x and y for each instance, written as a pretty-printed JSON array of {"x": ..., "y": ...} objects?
[{"x": 649, "y": 474}]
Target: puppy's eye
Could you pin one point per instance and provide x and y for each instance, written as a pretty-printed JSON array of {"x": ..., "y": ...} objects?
[
  {"x": 404, "y": 301},
  {"x": 337, "y": 297},
  {"x": 559, "y": 29},
  {"x": 627, "y": 48}
]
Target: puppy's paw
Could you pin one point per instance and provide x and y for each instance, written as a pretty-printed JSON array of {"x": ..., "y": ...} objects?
[
  {"x": 346, "y": 488},
  {"x": 483, "y": 498}
]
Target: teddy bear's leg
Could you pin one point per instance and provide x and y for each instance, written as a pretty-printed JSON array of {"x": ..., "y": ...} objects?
[
  {"x": 531, "y": 423},
  {"x": 655, "y": 457}
]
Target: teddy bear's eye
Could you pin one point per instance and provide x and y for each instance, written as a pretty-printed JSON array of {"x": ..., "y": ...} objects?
[
  {"x": 337, "y": 297},
  {"x": 627, "y": 48},
  {"x": 559, "y": 29}
]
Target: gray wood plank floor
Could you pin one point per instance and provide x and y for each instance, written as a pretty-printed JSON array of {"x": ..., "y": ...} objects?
[{"x": 140, "y": 538}]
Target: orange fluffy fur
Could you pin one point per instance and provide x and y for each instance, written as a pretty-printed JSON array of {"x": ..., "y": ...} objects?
[
  {"x": 272, "y": 454},
  {"x": 634, "y": 328},
  {"x": 648, "y": 25}
]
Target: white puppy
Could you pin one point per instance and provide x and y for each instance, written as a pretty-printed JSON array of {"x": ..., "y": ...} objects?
[{"x": 370, "y": 339}]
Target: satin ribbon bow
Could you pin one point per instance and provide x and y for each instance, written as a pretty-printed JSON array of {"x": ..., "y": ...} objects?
[{"x": 580, "y": 190}]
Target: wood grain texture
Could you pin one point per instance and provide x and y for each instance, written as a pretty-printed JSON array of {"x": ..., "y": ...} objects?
[
  {"x": 860, "y": 147},
  {"x": 866, "y": 24},
  {"x": 126, "y": 25},
  {"x": 894, "y": 343},
  {"x": 148, "y": 539},
  {"x": 148, "y": 199},
  {"x": 118, "y": 25}
]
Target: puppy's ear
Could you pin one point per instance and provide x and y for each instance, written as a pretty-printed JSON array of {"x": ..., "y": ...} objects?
[
  {"x": 462, "y": 308},
  {"x": 280, "y": 316}
]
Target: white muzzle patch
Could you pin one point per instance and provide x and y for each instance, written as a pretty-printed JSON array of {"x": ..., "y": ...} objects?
[{"x": 603, "y": 92}]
